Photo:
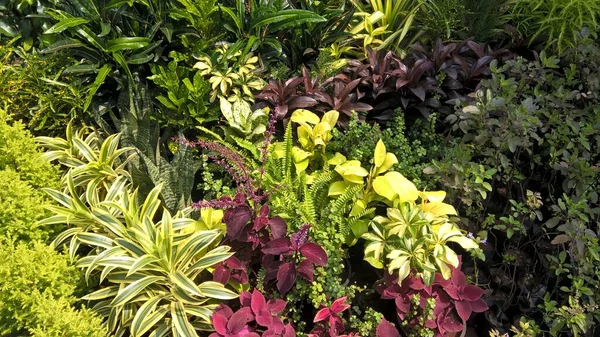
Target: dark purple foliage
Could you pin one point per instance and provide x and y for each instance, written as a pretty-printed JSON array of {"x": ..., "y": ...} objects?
[
  {"x": 455, "y": 300},
  {"x": 257, "y": 317},
  {"x": 287, "y": 258}
]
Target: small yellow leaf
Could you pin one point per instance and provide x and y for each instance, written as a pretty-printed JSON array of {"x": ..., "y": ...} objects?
[
  {"x": 390, "y": 160},
  {"x": 379, "y": 153},
  {"x": 433, "y": 196},
  {"x": 337, "y": 159},
  {"x": 305, "y": 116},
  {"x": 436, "y": 209}
]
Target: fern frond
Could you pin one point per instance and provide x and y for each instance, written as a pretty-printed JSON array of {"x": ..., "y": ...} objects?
[
  {"x": 288, "y": 160},
  {"x": 248, "y": 146},
  {"x": 340, "y": 205},
  {"x": 319, "y": 189}
]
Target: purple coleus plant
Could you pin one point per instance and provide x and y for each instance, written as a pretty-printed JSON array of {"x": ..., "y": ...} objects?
[
  {"x": 257, "y": 317},
  {"x": 286, "y": 258},
  {"x": 455, "y": 300}
]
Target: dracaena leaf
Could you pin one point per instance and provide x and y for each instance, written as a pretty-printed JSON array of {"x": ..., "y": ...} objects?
[{"x": 314, "y": 253}]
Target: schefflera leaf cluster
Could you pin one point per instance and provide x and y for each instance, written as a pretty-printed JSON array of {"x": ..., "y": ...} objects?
[
  {"x": 154, "y": 269},
  {"x": 414, "y": 235}
]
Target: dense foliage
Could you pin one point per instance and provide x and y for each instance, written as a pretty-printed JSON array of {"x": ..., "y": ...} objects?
[{"x": 242, "y": 168}]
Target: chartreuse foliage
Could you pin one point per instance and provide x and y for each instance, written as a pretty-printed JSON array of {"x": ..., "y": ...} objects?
[
  {"x": 413, "y": 235},
  {"x": 37, "y": 287},
  {"x": 154, "y": 275},
  {"x": 23, "y": 172}
]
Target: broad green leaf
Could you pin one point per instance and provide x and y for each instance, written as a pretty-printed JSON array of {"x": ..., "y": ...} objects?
[
  {"x": 383, "y": 187},
  {"x": 102, "y": 73},
  {"x": 126, "y": 43},
  {"x": 65, "y": 24},
  {"x": 305, "y": 116},
  {"x": 287, "y": 18}
]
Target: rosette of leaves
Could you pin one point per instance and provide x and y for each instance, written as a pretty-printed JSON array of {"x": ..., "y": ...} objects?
[
  {"x": 155, "y": 276},
  {"x": 243, "y": 122},
  {"x": 231, "y": 68},
  {"x": 92, "y": 162}
]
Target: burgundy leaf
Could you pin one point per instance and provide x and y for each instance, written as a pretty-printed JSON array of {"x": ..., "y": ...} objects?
[
  {"x": 419, "y": 92},
  {"x": 386, "y": 329},
  {"x": 458, "y": 278},
  {"x": 463, "y": 308},
  {"x": 451, "y": 325},
  {"x": 402, "y": 305},
  {"x": 453, "y": 291},
  {"x": 289, "y": 331},
  {"x": 236, "y": 219},
  {"x": 472, "y": 293},
  {"x": 278, "y": 247},
  {"x": 221, "y": 275},
  {"x": 245, "y": 299},
  {"x": 479, "y": 306},
  {"x": 219, "y": 322},
  {"x": 238, "y": 320},
  {"x": 302, "y": 102},
  {"x": 276, "y": 306},
  {"x": 278, "y": 227},
  {"x": 286, "y": 276},
  {"x": 234, "y": 263},
  {"x": 339, "y": 305},
  {"x": 314, "y": 253},
  {"x": 307, "y": 270},
  {"x": 322, "y": 315},
  {"x": 300, "y": 237},
  {"x": 258, "y": 302}
]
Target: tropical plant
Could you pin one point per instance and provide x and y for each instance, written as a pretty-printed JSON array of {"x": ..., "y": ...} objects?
[
  {"x": 242, "y": 121},
  {"x": 555, "y": 22},
  {"x": 152, "y": 270},
  {"x": 394, "y": 22}
]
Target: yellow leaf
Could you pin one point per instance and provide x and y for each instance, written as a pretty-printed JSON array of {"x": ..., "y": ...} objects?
[
  {"x": 436, "y": 209},
  {"x": 382, "y": 187},
  {"x": 379, "y": 153},
  {"x": 337, "y": 188},
  {"x": 433, "y": 196},
  {"x": 331, "y": 118},
  {"x": 305, "y": 116},
  {"x": 337, "y": 159},
  {"x": 465, "y": 242},
  {"x": 451, "y": 257},
  {"x": 390, "y": 160},
  {"x": 406, "y": 190}
]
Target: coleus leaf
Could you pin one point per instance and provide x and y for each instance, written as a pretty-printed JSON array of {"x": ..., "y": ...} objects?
[
  {"x": 339, "y": 305},
  {"x": 314, "y": 253},
  {"x": 386, "y": 329},
  {"x": 278, "y": 247},
  {"x": 322, "y": 314},
  {"x": 286, "y": 276},
  {"x": 278, "y": 227},
  {"x": 236, "y": 219},
  {"x": 306, "y": 269},
  {"x": 239, "y": 319}
]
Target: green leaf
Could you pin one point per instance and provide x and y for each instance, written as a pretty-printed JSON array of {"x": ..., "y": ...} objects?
[
  {"x": 102, "y": 293},
  {"x": 102, "y": 73},
  {"x": 144, "y": 318},
  {"x": 8, "y": 29},
  {"x": 185, "y": 283},
  {"x": 180, "y": 322},
  {"x": 127, "y": 43},
  {"x": 65, "y": 24},
  {"x": 141, "y": 262},
  {"x": 379, "y": 153},
  {"x": 287, "y": 18},
  {"x": 133, "y": 289},
  {"x": 216, "y": 290}
]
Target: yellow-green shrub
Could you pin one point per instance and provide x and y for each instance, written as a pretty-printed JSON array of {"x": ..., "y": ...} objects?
[{"x": 36, "y": 293}]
